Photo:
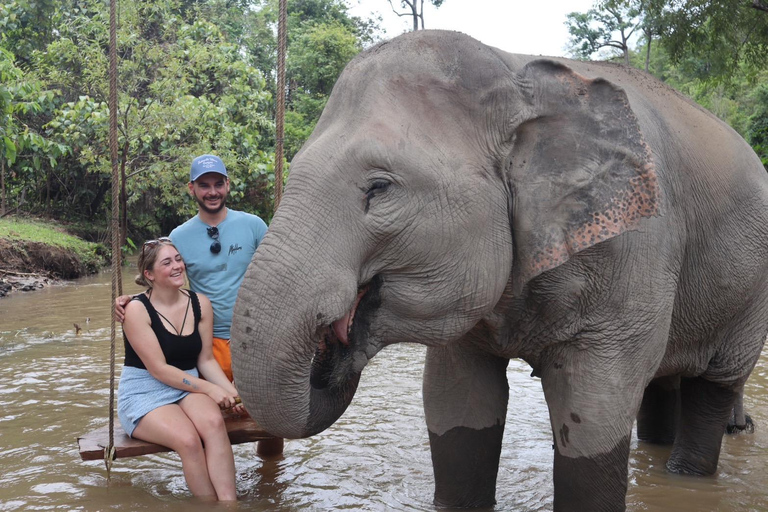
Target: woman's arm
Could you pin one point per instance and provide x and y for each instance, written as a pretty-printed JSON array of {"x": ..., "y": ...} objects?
[
  {"x": 138, "y": 329},
  {"x": 206, "y": 364}
]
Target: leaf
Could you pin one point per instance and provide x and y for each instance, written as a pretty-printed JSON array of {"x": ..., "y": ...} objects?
[{"x": 10, "y": 150}]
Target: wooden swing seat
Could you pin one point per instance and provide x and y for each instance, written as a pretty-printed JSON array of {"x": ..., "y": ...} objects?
[{"x": 92, "y": 445}]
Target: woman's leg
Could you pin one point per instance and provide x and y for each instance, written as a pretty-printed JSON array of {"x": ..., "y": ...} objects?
[
  {"x": 207, "y": 418},
  {"x": 170, "y": 426}
]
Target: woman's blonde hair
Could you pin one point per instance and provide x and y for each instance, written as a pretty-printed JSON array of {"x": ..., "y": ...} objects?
[{"x": 147, "y": 258}]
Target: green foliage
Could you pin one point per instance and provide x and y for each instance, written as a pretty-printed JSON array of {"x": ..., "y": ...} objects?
[
  {"x": 24, "y": 150},
  {"x": 184, "y": 90},
  {"x": 712, "y": 38},
  {"x": 318, "y": 54},
  {"x": 27, "y": 26},
  {"x": 757, "y": 132},
  {"x": 715, "y": 52},
  {"x": 194, "y": 76}
]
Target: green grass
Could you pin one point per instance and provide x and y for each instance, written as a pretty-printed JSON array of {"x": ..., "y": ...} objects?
[{"x": 49, "y": 233}]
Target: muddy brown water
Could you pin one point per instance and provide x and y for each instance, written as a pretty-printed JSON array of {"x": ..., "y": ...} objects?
[{"x": 54, "y": 387}]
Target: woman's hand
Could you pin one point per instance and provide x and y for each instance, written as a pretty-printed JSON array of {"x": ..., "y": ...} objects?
[
  {"x": 239, "y": 408},
  {"x": 223, "y": 398}
]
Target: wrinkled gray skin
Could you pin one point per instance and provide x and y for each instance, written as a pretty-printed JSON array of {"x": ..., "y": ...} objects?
[{"x": 583, "y": 217}]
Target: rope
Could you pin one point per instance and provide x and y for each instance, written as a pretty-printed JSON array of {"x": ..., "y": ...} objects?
[
  {"x": 280, "y": 121},
  {"x": 109, "y": 451}
]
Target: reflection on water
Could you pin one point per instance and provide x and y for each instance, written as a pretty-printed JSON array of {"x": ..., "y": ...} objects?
[{"x": 54, "y": 387}]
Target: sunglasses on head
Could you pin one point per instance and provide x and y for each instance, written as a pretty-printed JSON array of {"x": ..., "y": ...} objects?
[
  {"x": 213, "y": 232},
  {"x": 152, "y": 243}
]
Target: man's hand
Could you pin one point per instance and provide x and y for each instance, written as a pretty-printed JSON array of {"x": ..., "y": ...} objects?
[{"x": 120, "y": 303}]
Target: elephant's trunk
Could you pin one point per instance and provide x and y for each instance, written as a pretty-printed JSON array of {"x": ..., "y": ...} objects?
[{"x": 298, "y": 350}]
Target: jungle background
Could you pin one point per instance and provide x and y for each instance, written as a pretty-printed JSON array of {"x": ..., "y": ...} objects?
[{"x": 198, "y": 76}]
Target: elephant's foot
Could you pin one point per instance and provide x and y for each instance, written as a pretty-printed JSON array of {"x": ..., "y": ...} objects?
[
  {"x": 657, "y": 419},
  {"x": 270, "y": 448},
  {"x": 705, "y": 409},
  {"x": 597, "y": 484},
  {"x": 466, "y": 462},
  {"x": 465, "y": 403}
]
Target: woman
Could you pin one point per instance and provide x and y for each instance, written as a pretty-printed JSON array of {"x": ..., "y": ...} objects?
[{"x": 161, "y": 399}]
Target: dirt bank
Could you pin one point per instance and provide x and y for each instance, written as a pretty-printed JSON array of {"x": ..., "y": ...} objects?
[{"x": 26, "y": 266}]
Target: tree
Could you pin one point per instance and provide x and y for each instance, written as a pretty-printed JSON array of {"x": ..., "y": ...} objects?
[
  {"x": 322, "y": 38},
  {"x": 716, "y": 35},
  {"x": 609, "y": 24},
  {"x": 757, "y": 134},
  {"x": 23, "y": 150},
  {"x": 183, "y": 90},
  {"x": 194, "y": 76},
  {"x": 27, "y": 26},
  {"x": 651, "y": 12},
  {"x": 316, "y": 57},
  {"x": 416, "y": 10}
]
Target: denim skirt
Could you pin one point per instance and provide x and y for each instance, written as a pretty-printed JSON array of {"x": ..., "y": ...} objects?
[{"x": 139, "y": 393}]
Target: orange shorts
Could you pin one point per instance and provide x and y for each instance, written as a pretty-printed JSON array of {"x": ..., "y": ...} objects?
[{"x": 222, "y": 354}]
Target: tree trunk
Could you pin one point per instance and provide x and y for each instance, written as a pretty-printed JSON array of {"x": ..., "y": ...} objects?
[
  {"x": 414, "y": 13},
  {"x": 648, "y": 55},
  {"x": 2, "y": 187},
  {"x": 103, "y": 187},
  {"x": 48, "y": 191}
]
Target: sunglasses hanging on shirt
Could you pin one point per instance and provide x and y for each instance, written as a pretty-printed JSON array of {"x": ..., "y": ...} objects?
[{"x": 213, "y": 232}]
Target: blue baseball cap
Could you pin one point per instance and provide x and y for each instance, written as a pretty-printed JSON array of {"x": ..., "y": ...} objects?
[{"x": 205, "y": 164}]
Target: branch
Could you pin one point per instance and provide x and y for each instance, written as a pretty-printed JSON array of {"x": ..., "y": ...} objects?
[
  {"x": 613, "y": 44},
  {"x": 759, "y": 5},
  {"x": 401, "y": 14},
  {"x": 23, "y": 274}
]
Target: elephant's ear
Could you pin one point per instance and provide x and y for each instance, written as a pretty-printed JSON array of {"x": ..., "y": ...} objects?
[{"x": 579, "y": 170}]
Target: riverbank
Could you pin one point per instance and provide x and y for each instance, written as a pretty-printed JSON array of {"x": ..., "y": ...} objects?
[{"x": 35, "y": 253}]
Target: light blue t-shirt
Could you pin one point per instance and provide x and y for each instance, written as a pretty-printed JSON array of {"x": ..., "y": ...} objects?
[{"x": 218, "y": 276}]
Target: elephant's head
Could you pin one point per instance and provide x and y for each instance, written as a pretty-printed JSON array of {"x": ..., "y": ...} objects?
[{"x": 436, "y": 179}]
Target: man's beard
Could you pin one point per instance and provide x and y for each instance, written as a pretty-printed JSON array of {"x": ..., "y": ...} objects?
[{"x": 212, "y": 211}]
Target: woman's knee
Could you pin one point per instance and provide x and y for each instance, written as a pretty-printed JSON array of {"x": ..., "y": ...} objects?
[
  {"x": 188, "y": 442},
  {"x": 212, "y": 424}
]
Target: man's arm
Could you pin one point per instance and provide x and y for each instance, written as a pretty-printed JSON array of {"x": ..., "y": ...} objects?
[{"x": 120, "y": 304}]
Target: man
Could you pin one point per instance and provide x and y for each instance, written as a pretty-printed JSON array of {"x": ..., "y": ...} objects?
[{"x": 217, "y": 245}]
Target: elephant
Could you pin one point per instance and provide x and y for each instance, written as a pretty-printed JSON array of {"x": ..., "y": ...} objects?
[{"x": 581, "y": 216}]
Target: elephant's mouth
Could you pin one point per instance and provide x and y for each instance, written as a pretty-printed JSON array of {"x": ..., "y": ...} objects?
[{"x": 341, "y": 350}]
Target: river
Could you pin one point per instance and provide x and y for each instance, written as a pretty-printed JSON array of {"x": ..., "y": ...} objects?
[{"x": 54, "y": 386}]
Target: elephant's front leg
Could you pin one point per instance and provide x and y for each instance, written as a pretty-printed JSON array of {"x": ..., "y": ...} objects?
[
  {"x": 593, "y": 397},
  {"x": 465, "y": 404}
]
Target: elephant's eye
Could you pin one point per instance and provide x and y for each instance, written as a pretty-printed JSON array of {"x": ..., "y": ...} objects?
[{"x": 377, "y": 187}]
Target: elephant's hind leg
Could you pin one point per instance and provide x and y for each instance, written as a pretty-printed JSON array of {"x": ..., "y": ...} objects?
[
  {"x": 705, "y": 410},
  {"x": 659, "y": 413},
  {"x": 707, "y": 401},
  {"x": 465, "y": 404}
]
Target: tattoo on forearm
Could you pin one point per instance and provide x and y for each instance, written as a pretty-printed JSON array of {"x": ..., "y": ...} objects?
[{"x": 186, "y": 381}]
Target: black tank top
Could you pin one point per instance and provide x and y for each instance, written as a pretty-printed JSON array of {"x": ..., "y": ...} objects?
[{"x": 179, "y": 351}]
